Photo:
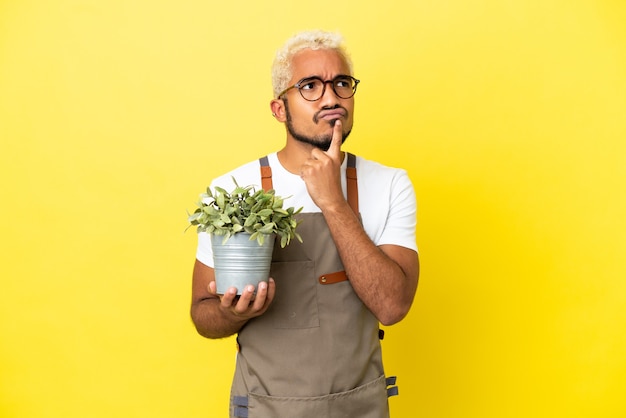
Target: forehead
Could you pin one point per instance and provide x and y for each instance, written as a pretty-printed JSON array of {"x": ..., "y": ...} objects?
[{"x": 324, "y": 63}]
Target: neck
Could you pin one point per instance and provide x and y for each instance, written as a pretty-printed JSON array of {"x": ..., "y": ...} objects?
[{"x": 294, "y": 154}]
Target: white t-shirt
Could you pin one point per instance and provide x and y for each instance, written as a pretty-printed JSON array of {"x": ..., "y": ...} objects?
[{"x": 386, "y": 199}]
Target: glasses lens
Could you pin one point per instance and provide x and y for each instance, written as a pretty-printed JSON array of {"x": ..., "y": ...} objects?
[
  {"x": 311, "y": 88},
  {"x": 344, "y": 87}
]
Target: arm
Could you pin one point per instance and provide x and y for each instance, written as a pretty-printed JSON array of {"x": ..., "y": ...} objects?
[
  {"x": 218, "y": 316},
  {"x": 385, "y": 278}
]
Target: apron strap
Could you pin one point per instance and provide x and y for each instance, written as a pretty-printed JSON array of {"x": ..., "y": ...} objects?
[
  {"x": 392, "y": 389},
  {"x": 351, "y": 180},
  {"x": 240, "y": 406},
  {"x": 266, "y": 174},
  {"x": 332, "y": 278},
  {"x": 353, "y": 188}
]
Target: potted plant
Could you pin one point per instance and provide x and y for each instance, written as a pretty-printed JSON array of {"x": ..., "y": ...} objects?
[{"x": 243, "y": 225}]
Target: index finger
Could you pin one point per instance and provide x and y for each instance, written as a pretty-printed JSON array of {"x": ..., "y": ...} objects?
[{"x": 334, "y": 150}]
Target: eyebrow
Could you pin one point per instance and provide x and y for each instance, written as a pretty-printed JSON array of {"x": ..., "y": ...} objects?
[{"x": 320, "y": 77}]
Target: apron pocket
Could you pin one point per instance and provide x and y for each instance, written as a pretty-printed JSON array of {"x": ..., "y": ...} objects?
[
  {"x": 366, "y": 401},
  {"x": 295, "y": 303}
]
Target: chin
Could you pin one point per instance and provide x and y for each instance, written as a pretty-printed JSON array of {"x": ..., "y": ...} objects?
[
  {"x": 323, "y": 146},
  {"x": 319, "y": 141}
]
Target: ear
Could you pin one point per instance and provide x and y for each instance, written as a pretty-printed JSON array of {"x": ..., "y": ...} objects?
[{"x": 278, "y": 110}]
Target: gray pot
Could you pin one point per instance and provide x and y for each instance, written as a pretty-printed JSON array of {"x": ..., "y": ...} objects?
[{"x": 240, "y": 262}]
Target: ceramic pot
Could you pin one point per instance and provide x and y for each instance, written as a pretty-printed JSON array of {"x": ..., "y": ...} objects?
[{"x": 240, "y": 262}]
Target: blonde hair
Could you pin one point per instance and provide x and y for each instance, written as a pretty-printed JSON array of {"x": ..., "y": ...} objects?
[{"x": 315, "y": 39}]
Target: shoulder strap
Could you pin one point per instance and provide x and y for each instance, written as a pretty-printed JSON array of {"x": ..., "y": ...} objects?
[
  {"x": 266, "y": 174},
  {"x": 351, "y": 180}
]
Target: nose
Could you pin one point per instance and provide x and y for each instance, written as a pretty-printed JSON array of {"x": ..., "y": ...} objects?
[{"x": 329, "y": 97}]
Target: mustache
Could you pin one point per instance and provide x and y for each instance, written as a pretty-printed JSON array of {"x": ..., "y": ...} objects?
[{"x": 316, "y": 116}]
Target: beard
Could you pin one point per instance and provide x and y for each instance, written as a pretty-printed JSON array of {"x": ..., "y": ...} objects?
[{"x": 319, "y": 141}]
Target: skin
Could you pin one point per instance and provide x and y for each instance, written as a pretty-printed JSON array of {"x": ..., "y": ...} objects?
[{"x": 384, "y": 277}]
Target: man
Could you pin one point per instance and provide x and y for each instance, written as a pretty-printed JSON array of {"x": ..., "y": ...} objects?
[{"x": 308, "y": 337}]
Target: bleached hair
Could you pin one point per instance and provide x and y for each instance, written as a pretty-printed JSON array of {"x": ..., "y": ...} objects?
[{"x": 315, "y": 39}]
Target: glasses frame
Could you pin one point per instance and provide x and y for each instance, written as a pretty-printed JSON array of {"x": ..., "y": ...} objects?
[{"x": 301, "y": 83}]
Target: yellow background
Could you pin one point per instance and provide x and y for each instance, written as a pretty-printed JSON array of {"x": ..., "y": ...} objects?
[{"x": 510, "y": 117}]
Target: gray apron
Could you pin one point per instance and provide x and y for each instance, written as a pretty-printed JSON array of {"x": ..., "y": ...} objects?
[{"x": 316, "y": 352}]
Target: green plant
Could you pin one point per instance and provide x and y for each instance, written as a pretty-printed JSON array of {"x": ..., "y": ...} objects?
[{"x": 257, "y": 212}]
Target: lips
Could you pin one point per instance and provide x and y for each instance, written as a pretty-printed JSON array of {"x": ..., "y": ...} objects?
[{"x": 331, "y": 114}]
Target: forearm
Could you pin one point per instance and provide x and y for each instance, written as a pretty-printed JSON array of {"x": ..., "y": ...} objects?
[
  {"x": 385, "y": 277},
  {"x": 380, "y": 282},
  {"x": 211, "y": 322}
]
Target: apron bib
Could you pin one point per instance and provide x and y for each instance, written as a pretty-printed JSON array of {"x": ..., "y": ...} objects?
[{"x": 315, "y": 353}]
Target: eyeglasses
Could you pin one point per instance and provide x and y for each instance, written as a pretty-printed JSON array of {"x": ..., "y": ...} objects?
[{"x": 313, "y": 88}]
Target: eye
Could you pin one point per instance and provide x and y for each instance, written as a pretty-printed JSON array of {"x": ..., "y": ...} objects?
[
  {"x": 309, "y": 84},
  {"x": 343, "y": 82}
]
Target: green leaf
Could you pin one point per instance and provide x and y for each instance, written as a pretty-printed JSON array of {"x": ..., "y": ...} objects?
[
  {"x": 250, "y": 221},
  {"x": 260, "y": 239},
  {"x": 257, "y": 206},
  {"x": 239, "y": 191},
  {"x": 225, "y": 239},
  {"x": 221, "y": 191},
  {"x": 267, "y": 229},
  {"x": 265, "y": 213},
  {"x": 229, "y": 210},
  {"x": 221, "y": 201}
]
